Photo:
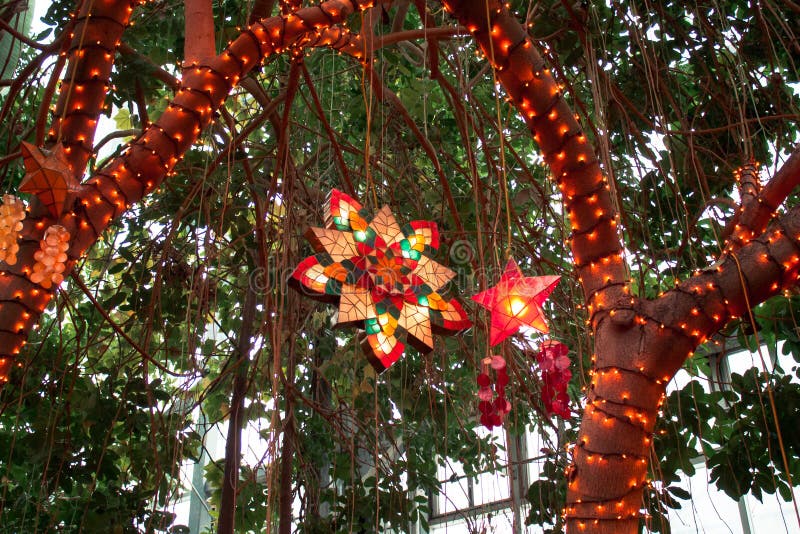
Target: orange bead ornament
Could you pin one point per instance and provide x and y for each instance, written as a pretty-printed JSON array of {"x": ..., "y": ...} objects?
[
  {"x": 12, "y": 213},
  {"x": 51, "y": 259}
]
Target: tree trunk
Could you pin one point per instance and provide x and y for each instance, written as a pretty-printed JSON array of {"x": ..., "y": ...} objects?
[
  {"x": 609, "y": 471},
  {"x": 233, "y": 442},
  {"x": 79, "y": 104},
  {"x": 639, "y": 344},
  {"x": 199, "y": 41},
  {"x": 95, "y": 39},
  {"x": 287, "y": 462}
]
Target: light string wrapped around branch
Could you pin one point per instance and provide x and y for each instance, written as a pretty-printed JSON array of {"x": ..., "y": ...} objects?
[
  {"x": 641, "y": 342},
  {"x": 147, "y": 160},
  {"x": 596, "y": 245},
  {"x": 95, "y": 36},
  {"x": 95, "y": 33},
  {"x": 755, "y": 213}
]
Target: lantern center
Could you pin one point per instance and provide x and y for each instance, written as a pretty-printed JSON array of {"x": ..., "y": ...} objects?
[
  {"x": 388, "y": 271},
  {"x": 516, "y": 305}
]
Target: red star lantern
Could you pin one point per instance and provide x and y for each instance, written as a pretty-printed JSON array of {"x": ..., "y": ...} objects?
[
  {"x": 516, "y": 301},
  {"x": 383, "y": 278},
  {"x": 48, "y": 177}
]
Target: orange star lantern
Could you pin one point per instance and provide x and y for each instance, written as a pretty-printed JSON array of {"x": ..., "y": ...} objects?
[
  {"x": 516, "y": 301},
  {"x": 383, "y": 278},
  {"x": 48, "y": 177}
]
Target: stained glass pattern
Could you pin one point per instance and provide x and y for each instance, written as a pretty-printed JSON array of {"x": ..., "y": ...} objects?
[
  {"x": 516, "y": 301},
  {"x": 383, "y": 278}
]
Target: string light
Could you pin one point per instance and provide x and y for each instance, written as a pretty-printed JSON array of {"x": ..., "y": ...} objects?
[{"x": 600, "y": 263}]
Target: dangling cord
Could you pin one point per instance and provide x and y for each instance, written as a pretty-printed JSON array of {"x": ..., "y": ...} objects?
[
  {"x": 768, "y": 387},
  {"x": 376, "y": 457},
  {"x": 504, "y": 177},
  {"x": 368, "y": 101}
]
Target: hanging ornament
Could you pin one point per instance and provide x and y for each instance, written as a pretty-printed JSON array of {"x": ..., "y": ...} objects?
[
  {"x": 51, "y": 258},
  {"x": 493, "y": 404},
  {"x": 554, "y": 365},
  {"x": 383, "y": 278},
  {"x": 516, "y": 301},
  {"x": 12, "y": 213},
  {"x": 48, "y": 177}
]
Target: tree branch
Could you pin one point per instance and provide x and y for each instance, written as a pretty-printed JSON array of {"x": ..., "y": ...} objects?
[
  {"x": 145, "y": 162},
  {"x": 596, "y": 245},
  {"x": 199, "y": 42},
  {"x": 94, "y": 40},
  {"x": 753, "y": 216},
  {"x": 233, "y": 442}
]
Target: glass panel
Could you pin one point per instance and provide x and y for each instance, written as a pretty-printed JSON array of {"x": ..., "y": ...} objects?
[
  {"x": 710, "y": 511},
  {"x": 455, "y": 489},
  {"x": 773, "y": 516}
]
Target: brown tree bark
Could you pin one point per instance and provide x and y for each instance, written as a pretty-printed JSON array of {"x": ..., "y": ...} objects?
[
  {"x": 93, "y": 42},
  {"x": 226, "y": 522},
  {"x": 95, "y": 35},
  {"x": 639, "y": 344},
  {"x": 199, "y": 41},
  {"x": 286, "y": 497}
]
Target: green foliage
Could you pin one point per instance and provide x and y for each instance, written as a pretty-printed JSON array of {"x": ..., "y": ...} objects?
[
  {"x": 92, "y": 434},
  {"x": 18, "y": 15},
  {"x": 87, "y": 453},
  {"x": 753, "y": 436},
  {"x": 547, "y": 497}
]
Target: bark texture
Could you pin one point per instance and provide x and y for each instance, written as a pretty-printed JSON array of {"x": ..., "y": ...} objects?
[
  {"x": 94, "y": 40},
  {"x": 199, "y": 42},
  {"x": 95, "y": 35},
  {"x": 226, "y": 523}
]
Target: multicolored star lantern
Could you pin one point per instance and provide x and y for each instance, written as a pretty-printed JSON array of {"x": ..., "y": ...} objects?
[
  {"x": 48, "y": 177},
  {"x": 383, "y": 278},
  {"x": 516, "y": 301}
]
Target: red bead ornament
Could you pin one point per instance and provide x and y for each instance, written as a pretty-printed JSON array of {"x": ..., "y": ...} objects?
[
  {"x": 493, "y": 404},
  {"x": 516, "y": 301},
  {"x": 554, "y": 365},
  {"x": 51, "y": 258}
]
